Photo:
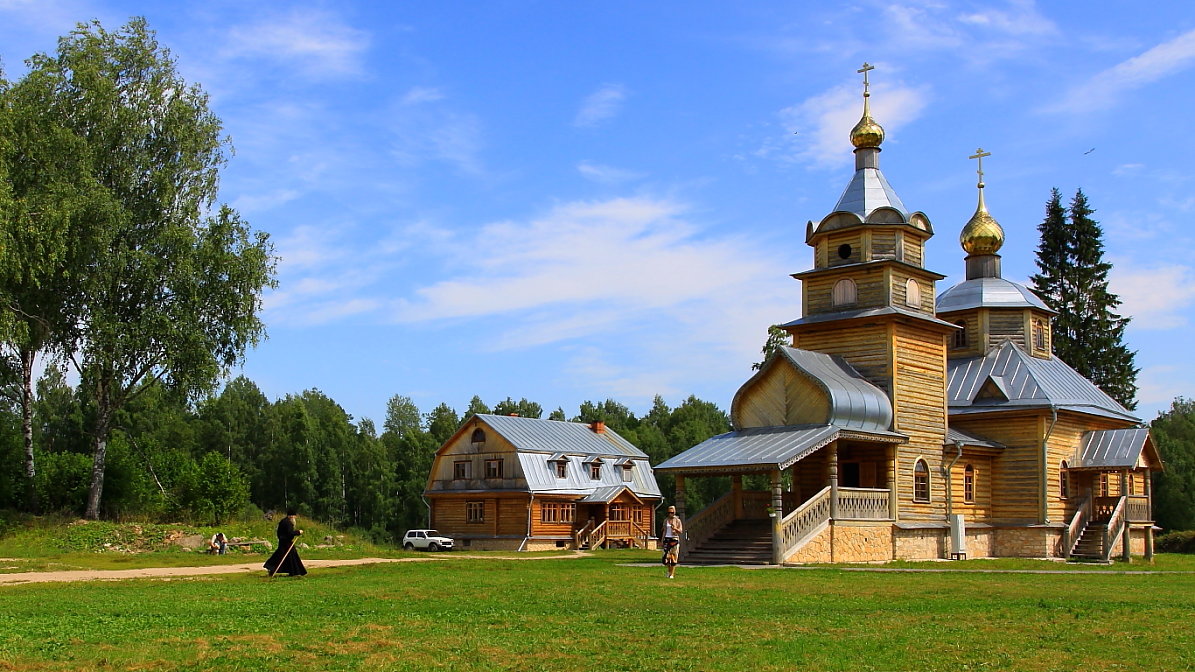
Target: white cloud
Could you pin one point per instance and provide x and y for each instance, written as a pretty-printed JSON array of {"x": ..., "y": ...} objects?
[
  {"x": 824, "y": 121},
  {"x": 601, "y": 105},
  {"x": 425, "y": 128},
  {"x": 1107, "y": 88},
  {"x": 1020, "y": 18},
  {"x": 606, "y": 174},
  {"x": 316, "y": 43},
  {"x": 1156, "y": 298},
  {"x": 1158, "y": 386},
  {"x": 250, "y": 203}
]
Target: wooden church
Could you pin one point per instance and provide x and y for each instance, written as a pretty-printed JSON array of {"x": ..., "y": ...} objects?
[{"x": 903, "y": 424}]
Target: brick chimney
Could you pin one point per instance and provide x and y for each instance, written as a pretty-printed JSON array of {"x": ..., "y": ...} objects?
[{"x": 598, "y": 427}]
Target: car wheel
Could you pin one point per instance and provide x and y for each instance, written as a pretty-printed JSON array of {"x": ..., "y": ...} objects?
[
  {"x": 433, "y": 547},
  {"x": 409, "y": 546}
]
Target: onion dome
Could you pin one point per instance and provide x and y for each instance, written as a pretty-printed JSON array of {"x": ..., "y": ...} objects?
[
  {"x": 867, "y": 133},
  {"x": 982, "y": 234}
]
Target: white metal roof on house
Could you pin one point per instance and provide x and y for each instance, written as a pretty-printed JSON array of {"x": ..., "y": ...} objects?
[
  {"x": 541, "y": 476},
  {"x": 555, "y": 436},
  {"x": 1024, "y": 381},
  {"x": 1112, "y": 449},
  {"x": 765, "y": 448}
]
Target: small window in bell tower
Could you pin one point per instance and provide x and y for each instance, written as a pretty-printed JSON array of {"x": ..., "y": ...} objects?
[
  {"x": 1040, "y": 339},
  {"x": 844, "y": 251},
  {"x": 913, "y": 293},
  {"x": 844, "y": 293},
  {"x": 960, "y": 336}
]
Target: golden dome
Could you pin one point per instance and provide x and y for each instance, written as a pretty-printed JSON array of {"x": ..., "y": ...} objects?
[
  {"x": 982, "y": 234},
  {"x": 867, "y": 133}
]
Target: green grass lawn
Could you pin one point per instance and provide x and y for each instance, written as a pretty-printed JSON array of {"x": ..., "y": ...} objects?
[{"x": 597, "y": 613}]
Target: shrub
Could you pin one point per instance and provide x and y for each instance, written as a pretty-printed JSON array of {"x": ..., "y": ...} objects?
[{"x": 1176, "y": 542}]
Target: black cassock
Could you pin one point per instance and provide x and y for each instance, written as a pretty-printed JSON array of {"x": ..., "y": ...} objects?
[{"x": 292, "y": 565}]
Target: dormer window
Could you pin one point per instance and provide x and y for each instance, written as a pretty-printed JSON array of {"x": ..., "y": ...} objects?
[
  {"x": 845, "y": 293},
  {"x": 913, "y": 293},
  {"x": 561, "y": 469},
  {"x": 595, "y": 471},
  {"x": 627, "y": 473}
]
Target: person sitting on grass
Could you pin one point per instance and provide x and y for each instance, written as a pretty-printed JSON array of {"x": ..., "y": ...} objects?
[{"x": 218, "y": 544}]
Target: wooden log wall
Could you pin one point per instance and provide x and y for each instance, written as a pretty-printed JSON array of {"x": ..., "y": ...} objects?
[
  {"x": 919, "y": 407},
  {"x": 503, "y": 516},
  {"x": 974, "y": 341},
  {"x": 1006, "y": 325},
  {"x": 865, "y": 346},
  {"x": 1015, "y": 472},
  {"x": 461, "y": 450},
  {"x": 1064, "y": 444},
  {"x": 979, "y": 510},
  {"x": 782, "y": 397}
]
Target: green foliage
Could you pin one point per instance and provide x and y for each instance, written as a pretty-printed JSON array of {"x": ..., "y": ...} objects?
[
  {"x": 213, "y": 490},
  {"x": 1173, "y": 433},
  {"x": 1176, "y": 542},
  {"x": 521, "y": 408},
  {"x": 1087, "y": 332},
  {"x": 777, "y": 338}
]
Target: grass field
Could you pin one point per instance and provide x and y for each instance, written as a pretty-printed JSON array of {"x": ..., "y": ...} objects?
[{"x": 599, "y": 613}]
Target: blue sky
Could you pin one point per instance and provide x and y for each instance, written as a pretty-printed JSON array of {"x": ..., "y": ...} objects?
[{"x": 571, "y": 201}]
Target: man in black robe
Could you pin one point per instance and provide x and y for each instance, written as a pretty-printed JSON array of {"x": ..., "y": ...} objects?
[{"x": 285, "y": 559}]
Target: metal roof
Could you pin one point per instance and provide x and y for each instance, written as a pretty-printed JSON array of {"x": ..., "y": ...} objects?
[
  {"x": 853, "y": 401},
  {"x": 555, "y": 436},
  {"x": 866, "y": 312},
  {"x": 762, "y": 448},
  {"x": 955, "y": 435},
  {"x": 1024, "y": 381},
  {"x": 605, "y": 494},
  {"x": 539, "y": 471},
  {"x": 989, "y": 293},
  {"x": 868, "y": 190},
  {"x": 1111, "y": 448}
]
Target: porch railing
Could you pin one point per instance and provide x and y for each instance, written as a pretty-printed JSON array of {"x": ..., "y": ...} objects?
[
  {"x": 593, "y": 538},
  {"x": 1115, "y": 529},
  {"x": 863, "y": 503},
  {"x": 801, "y": 524},
  {"x": 1137, "y": 509},
  {"x": 706, "y": 523},
  {"x": 1070, "y": 538},
  {"x": 582, "y": 533}
]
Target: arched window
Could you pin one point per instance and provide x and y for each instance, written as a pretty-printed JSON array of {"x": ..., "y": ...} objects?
[
  {"x": 913, "y": 293},
  {"x": 969, "y": 484},
  {"x": 478, "y": 438},
  {"x": 845, "y": 293},
  {"x": 920, "y": 481},
  {"x": 1040, "y": 341},
  {"x": 1064, "y": 480},
  {"x": 960, "y": 336}
]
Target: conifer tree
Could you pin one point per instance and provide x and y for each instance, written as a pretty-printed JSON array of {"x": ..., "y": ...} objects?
[{"x": 1088, "y": 333}]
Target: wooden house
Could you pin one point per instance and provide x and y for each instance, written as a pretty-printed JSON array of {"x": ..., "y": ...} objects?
[
  {"x": 514, "y": 483},
  {"x": 901, "y": 424}
]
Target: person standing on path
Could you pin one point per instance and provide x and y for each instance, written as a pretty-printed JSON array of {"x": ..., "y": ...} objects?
[
  {"x": 673, "y": 529},
  {"x": 285, "y": 559}
]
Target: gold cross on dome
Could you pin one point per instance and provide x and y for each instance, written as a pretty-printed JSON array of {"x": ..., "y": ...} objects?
[
  {"x": 979, "y": 154},
  {"x": 866, "y": 67}
]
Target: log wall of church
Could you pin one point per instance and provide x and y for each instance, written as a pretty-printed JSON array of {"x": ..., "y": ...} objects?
[
  {"x": 864, "y": 347},
  {"x": 782, "y": 397},
  {"x": 1015, "y": 471},
  {"x": 919, "y": 406}
]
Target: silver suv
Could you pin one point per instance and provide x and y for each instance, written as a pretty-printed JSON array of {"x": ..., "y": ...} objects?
[{"x": 426, "y": 540}]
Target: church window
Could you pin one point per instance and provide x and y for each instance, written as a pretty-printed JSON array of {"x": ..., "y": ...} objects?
[
  {"x": 960, "y": 336},
  {"x": 1064, "y": 480},
  {"x": 474, "y": 512},
  {"x": 920, "y": 481},
  {"x": 969, "y": 484},
  {"x": 1040, "y": 341},
  {"x": 912, "y": 293},
  {"x": 845, "y": 293},
  {"x": 1132, "y": 484},
  {"x": 844, "y": 251}
]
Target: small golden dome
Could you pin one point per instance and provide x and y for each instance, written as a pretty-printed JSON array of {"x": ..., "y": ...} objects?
[
  {"x": 867, "y": 133},
  {"x": 982, "y": 234}
]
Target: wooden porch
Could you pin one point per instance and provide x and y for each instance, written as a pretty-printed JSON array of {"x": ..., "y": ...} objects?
[
  {"x": 1100, "y": 528},
  {"x": 611, "y": 534}
]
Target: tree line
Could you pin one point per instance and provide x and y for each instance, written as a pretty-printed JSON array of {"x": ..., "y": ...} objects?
[{"x": 237, "y": 451}]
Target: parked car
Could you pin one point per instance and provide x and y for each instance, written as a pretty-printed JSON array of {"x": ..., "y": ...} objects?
[{"x": 426, "y": 540}]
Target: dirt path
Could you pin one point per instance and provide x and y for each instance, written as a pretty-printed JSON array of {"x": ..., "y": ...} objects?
[{"x": 254, "y": 567}]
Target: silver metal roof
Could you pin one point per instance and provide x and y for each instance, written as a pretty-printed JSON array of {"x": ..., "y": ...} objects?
[
  {"x": 866, "y": 312},
  {"x": 1025, "y": 381},
  {"x": 764, "y": 448},
  {"x": 989, "y": 293},
  {"x": 867, "y": 191},
  {"x": 605, "y": 493},
  {"x": 1111, "y": 449},
  {"x": 555, "y": 436},
  {"x": 853, "y": 401},
  {"x": 955, "y": 435},
  {"x": 540, "y": 474}
]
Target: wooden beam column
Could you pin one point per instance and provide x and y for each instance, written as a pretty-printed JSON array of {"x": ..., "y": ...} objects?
[
  {"x": 1127, "y": 538},
  {"x": 1149, "y": 529},
  {"x": 736, "y": 487},
  {"x": 833, "y": 466},
  {"x": 777, "y": 516},
  {"x": 680, "y": 496},
  {"x": 893, "y": 501}
]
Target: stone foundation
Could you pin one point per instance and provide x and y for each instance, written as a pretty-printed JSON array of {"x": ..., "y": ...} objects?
[
  {"x": 921, "y": 544},
  {"x": 484, "y": 544},
  {"x": 855, "y": 542},
  {"x": 1028, "y": 542}
]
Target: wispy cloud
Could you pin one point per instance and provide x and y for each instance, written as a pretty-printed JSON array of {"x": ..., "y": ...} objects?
[
  {"x": 1157, "y": 298},
  {"x": 315, "y": 43},
  {"x": 601, "y": 105},
  {"x": 606, "y": 174},
  {"x": 1109, "y": 87},
  {"x": 823, "y": 122},
  {"x": 425, "y": 127}
]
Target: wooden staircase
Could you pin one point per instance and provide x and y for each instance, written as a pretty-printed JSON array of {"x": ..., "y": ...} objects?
[
  {"x": 1090, "y": 547},
  {"x": 742, "y": 542}
]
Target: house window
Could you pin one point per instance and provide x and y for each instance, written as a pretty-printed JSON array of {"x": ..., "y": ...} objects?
[
  {"x": 626, "y": 473},
  {"x": 1104, "y": 484},
  {"x": 557, "y": 512},
  {"x": 912, "y": 293},
  {"x": 960, "y": 336},
  {"x": 462, "y": 470},
  {"x": 561, "y": 469},
  {"x": 845, "y": 293},
  {"x": 1040, "y": 342},
  {"x": 478, "y": 438},
  {"x": 493, "y": 468},
  {"x": 1132, "y": 485},
  {"x": 920, "y": 482},
  {"x": 474, "y": 512},
  {"x": 1064, "y": 480},
  {"x": 618, "y": 512},
  {"x": 637, "y": 515},
  {"x": 595, "y": 470},
  {"x": 969, "y": 484}
]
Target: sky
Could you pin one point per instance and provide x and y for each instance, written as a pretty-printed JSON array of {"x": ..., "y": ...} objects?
[{"x": 570, "y": 201}]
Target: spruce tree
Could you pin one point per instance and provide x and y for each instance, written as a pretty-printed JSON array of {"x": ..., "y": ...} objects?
[{"x": 1088, "y": 333}]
